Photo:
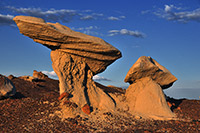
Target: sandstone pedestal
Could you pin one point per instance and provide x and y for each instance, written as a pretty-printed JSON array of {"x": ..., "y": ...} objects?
[
  {"x": 75, "y": 78},
  {"x": 146, "y": 98}
]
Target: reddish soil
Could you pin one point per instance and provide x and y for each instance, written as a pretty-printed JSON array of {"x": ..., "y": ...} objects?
[{"x": 30, "y": 110}]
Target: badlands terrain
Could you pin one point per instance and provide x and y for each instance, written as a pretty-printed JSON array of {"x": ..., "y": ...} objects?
[
  {"x": 35, "y": 108},
  {"x": 76, "y": 103}
]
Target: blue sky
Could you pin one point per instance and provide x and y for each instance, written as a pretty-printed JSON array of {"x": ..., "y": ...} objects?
[{"x": 166, "y": 30}]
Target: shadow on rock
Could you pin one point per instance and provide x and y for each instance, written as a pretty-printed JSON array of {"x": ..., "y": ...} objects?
[{"x": 174, "y": 103}]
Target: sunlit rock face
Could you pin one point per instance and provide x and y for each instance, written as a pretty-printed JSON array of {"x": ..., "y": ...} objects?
[
  {"x": 145, "y": 95},
  {"x": 39, "y": 75},
  {"x": 97, "y": 53},
  {"x": 76, "y": 58},
  {"x": 148, "y": 67}
]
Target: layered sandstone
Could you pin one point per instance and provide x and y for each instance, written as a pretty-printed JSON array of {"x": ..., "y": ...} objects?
[
  {"x": 76, "y": 58},
  {"x": 148, "y": 67},
  {"x": 97, "y": 53}
]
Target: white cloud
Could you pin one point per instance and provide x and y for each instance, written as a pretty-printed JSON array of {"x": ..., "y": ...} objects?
[
  {"x": 168, "y": 8},
  {"x": 6, "y": 20},
  {"x": 98, "y": 14},
  {"x": 91, "y": 16},
  {"x": 113, "y": 18},
  {"x": 116, "y": 18},
  {"x": 53, "y": 15},
  {"x": 91, "y": 27},
  {"x": 90, "y": 30},
  {"x": 126, "y": 32},
  {"x": 173, "y": 13},
  {"x": 94, "y": 33},
  {"x": 99, "y": 78},
  {"x": 87, "y": 17},
  {"x": 122, "y": 17},
  {"x": 63, "y": 15},
  {"x": 50, "y": 74}
]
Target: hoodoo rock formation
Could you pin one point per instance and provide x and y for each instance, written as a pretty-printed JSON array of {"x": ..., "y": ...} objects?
[
  {"x": 145, "y": 95},
  {"x": 76, "y": 58}
]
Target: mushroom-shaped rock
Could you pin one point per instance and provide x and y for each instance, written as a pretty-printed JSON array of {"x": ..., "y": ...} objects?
[
  {"x": 76, "y": 58},
  {"x": 148, "y": 67},
  {"x": 7, "y": 89},
  {"x": 145, "y": 95}
]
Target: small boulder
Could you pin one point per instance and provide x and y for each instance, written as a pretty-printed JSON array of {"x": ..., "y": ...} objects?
[
  {"x": 148, "y": 67},
  {"x": 86, "y": 109},
  {"x": 28, "y": 78},
  {"x": 39, "y": 75},
  {"x": 7, "y": 89},
  {"x": 11, "y": 77}
]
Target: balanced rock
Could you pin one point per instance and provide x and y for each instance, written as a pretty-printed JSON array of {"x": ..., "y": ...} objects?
[
  {"x": 145, "y": 95},
  {"x": 148, "y": 67},
  {"x": 7, "y": 89},
  {"x": 76, "y": 58}
]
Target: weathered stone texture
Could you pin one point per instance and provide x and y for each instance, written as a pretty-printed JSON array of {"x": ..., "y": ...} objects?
[
  {"x": 148, "y": 67},
  {"x": 97, "y": 53},
  {"x": 145, "y": 95}
]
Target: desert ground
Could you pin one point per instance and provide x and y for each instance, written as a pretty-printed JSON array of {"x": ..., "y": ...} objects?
[{"x": 35, "y": 108}]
